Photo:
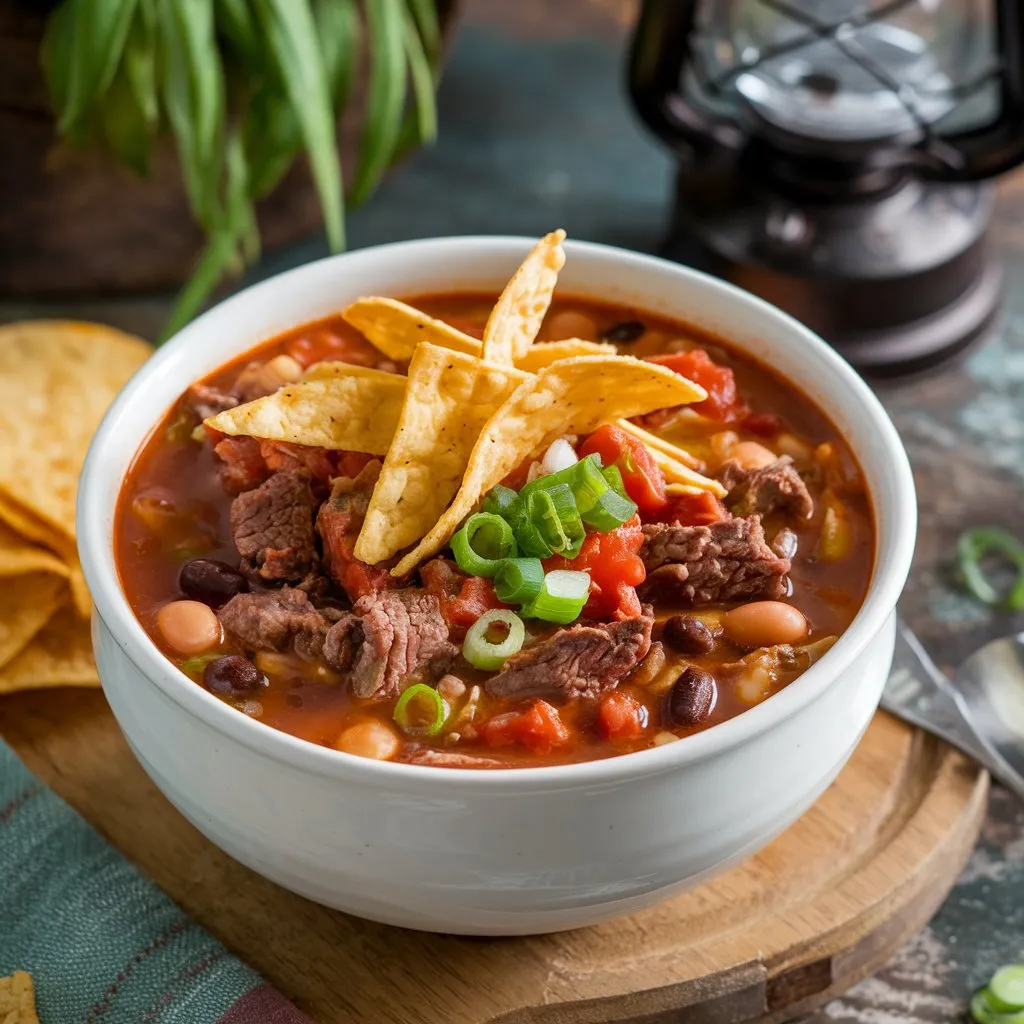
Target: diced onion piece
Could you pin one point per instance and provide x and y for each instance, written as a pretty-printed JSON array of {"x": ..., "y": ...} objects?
[
  {"x": 421, "y": 711},
  {"x": 483, "y": 653},
  {"x": 560, "y": 455},
  {"x": 561, "y": 598}
]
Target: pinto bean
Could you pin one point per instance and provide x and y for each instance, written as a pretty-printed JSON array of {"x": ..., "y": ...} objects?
[
  {"x": 764, "y": 624},
  {"x": 369, "y": 739},
  {"x": 188, "y": 627},
  {"x": 751, "y": 455},
  {"x": 570, "y": 324}
]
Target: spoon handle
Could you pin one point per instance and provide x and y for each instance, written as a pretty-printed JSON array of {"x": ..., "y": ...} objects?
[{"x": 919, "y": 693}]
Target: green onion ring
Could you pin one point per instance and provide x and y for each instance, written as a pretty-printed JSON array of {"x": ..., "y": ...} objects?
[
  {"x": 484, "y": 654},
  {"x": 973, "y": 546},
  {"x": 518, "y": 580},
  {"x": 426, "y": 697},
  {"x": 483, "y": 543}
]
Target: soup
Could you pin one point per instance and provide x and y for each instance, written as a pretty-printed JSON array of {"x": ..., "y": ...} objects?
[{"x": 620, "y": 588}]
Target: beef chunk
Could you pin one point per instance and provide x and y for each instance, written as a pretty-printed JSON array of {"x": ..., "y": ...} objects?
[
  {"x": 582, "y": 661},
  {"x": 273, "y": 527},
  {"x": 207, "y": 400},
  {"x": 338, "y": 522},
  {"x": 776, "y": 487},
  {"x": 271, "y": 620},
  {"x": 725, "y": 561},
  {"x": 254, "y": 382},
  {"x": 388, "y": 637},
  {"x": 450, "y": 759}
]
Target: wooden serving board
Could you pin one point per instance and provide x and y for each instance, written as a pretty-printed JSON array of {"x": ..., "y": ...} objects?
[{"x": 824, "y": 905}]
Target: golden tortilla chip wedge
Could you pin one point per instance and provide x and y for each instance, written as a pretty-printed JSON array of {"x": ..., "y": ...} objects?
[
  {"x": 574, "y": 396},
  {"x": 57, "y": 378},
  {"x": 449, "y": 398},
  {"x": 27, "y": 603},
  {"x": 396, "y": 328},
  {"x": 60, "y": 654},
  {"x": 516, "y": 319},
  {"x": 330, "y": 370},
  {"x": 18, "y": 999},
  {"x": 354, "y": 413},
  {"x": 18, "y": 556},
  {"x": 544, "y": 353},
  {"x": 676, "y": 464}
]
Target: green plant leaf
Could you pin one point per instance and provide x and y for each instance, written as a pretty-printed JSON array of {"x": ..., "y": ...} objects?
[
  {"x": 139, "y": 63},
  {"x": 192, "y": 88},
  {"x": 291, "y": 37},
  {"x": 124, "y": 124},
  {"x": 422, "y": 75},
  {"x": 339, "y": 31},
  {"x": 386, "y": 99},
  {"x": 100, "y": 31},
  {"x": 424, "y": 13},
  {"x": 237, "y": 22},
  {"x": 58, "y": 43},
  {"x": 272, "y": 139}
]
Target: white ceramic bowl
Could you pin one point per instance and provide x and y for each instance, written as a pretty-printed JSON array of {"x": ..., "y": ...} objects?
[{"x": 512, "y": 851}]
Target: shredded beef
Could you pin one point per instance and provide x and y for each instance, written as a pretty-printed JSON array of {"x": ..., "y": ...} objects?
[
  {"x": 726, "y": 561},
  {"x": 272, "y": 528},
  {"x": 271, "y": 620},
  {"x": 776, "y": 487},
  {"x": 388, "y": 637},
  {"x": 207, "y": 400},
  {"x": 582, "y": 661},
  {"x": 450, "y": 759}
]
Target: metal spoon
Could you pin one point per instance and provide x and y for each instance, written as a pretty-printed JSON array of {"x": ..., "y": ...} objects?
[{"x": 980, "y": 711}]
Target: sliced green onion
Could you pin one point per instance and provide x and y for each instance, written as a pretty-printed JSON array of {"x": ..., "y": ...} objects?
[
  {"x": 421, "y": 710},
  {"x": 985, "y": 1010},
  {"x": 1006, "y": 989},
  {"x": 483, "y": 653},
  {"x": 483, "y": 544},
  {"x": 500, "y": 501},
  {"x": 561, "y": 598},
  {"x": 613, "y": 475},
  {"x": 197, "y": 665},
  {"x": 518, "y": 580},
  {"x": 973, "y": 547},
  {"x": 610, "y": 511},
  {"x": 553, "y": 511}
]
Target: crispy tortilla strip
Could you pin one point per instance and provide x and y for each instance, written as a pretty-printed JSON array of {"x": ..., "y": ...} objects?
[
  {"x": 659, "y": 444},
  {"x": 574, "y": 396},
  {"x": 60, "y": 654},
  {"x": 675, "y": 463},
  {"x": 544, "y": 353},
  {"x": 449, "y": 398},
  {"x": 18, "y": 556},
  {"x": 18, "y": 999},
  {"x": 516, "y": 319},
  {"x": 330, "y": 370},
  {"x": 353, "y": 413},
  {"x": 396, "y": 329},
  {"x": 26, "y": 604},
  {"x": 57, "y": 378}
]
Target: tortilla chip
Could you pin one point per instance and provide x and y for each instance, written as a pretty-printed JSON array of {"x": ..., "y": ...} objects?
[
  {"x": 26, "y": 604},
  {"x": 60, "y": 654},
  {"x": 353, "y": 413},
  {"x": 329, "y": 370},
  {"x": 57, "y": 378},
  {"x": 396, "y": 328},
  {"x": 18, "y": 999},
  {"x": 516, "y": 319},
  {"x": 676, "y": 464},
  {"x": 574, "y": 396},
  {"x": 18, "y": 556},
  {"x": 545, "y": 353},
  {"x": 449, "y": 398}
]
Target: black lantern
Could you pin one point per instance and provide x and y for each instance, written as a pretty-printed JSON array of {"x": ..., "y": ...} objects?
[{"x": 832, "y": 152}]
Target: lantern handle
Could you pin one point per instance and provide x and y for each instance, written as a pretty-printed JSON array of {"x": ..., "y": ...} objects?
[
  {"x": 998, "y": 146},
  {"x": 660, "y": 49}
]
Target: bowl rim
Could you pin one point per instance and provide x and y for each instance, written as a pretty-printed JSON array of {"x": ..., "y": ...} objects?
[{"x": 896, "y": 524}]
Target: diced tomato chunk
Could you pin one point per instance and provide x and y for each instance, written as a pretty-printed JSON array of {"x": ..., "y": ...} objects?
[
  {"x": 242, "y": 464},
  {"x": 352, "y": 463},
  {"x": 517, "y": 478},
  {"x": 643, "y": 480},
  {"x": 279, "y": 455},
  {"x": 326, "y": 342},
  {"x": 463, "y": 598},
  {"x": 339, "y": 529},
  {"x": 615, "y": 570},
  {"x": 539, "y": 728},
  {"x": 693, "y": 510},
  {"x": 764, "y": 424},
  {"x": 723, "y": 401},
  {"x": 621, "y": 716}
]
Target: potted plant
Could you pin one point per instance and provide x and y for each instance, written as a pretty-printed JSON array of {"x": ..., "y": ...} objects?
[{"x": 150, "y": 140}]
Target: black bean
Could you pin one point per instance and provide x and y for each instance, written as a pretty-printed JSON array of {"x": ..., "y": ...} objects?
[
  {"x": 214, "y": 583},
  {"x": 688, "y": 635},
  {"x": 233, "y": 675},
  {"x": 692, "y": 698},
  {"x": 625, "y": 332}
]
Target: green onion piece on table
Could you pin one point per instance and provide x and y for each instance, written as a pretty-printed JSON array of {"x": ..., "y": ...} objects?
[
  {"x": 561, "y": 598},
  {"x": 973, "y": 547},
  {"x": 483, "y": 543},
  {"x": 489, "y": 655},
  {"x": 500, "y": 501},
  {"x": 421, "y": 711},
  {"x": 1001, "y": 1001},
  {"x": 518, "y": 580}
]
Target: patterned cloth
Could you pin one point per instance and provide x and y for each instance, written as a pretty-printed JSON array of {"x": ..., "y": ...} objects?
[{"x": 103, "y": 944}]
